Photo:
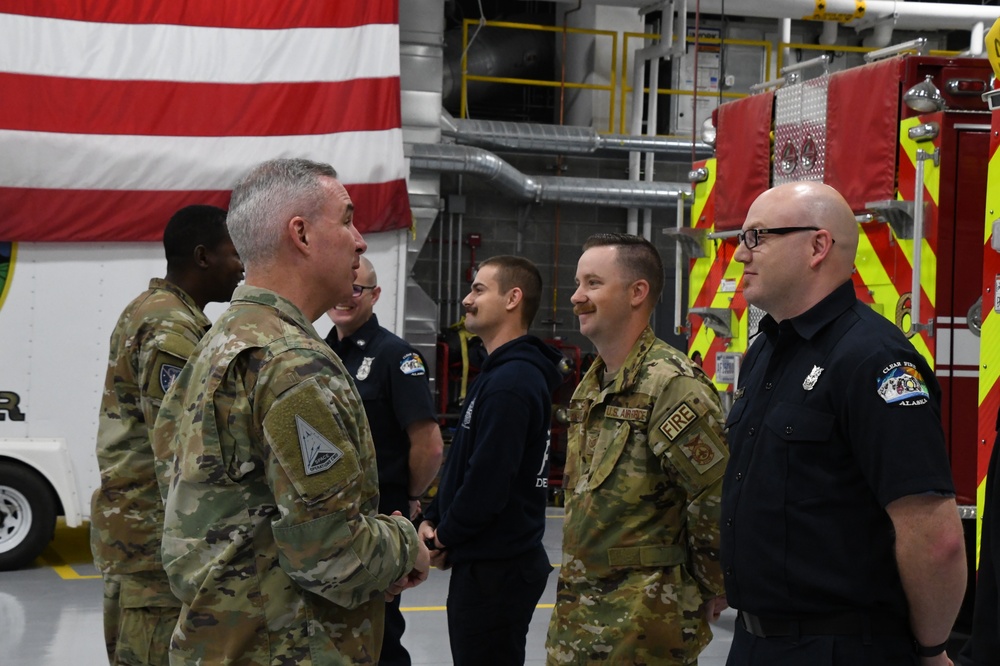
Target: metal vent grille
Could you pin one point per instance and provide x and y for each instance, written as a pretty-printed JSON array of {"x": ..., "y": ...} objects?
[{"x": 800, "y": 131}]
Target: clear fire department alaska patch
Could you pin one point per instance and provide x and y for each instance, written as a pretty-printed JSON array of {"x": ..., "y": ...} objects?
[{"x": 901, "y": 384}]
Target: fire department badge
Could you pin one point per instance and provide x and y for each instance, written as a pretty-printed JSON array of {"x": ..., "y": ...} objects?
[
  {"x": 812, "y": 377},
  {"x": 412, "y": 364},
  {"x": 365, "y": 369},
  {"x": 901, "y": 384}
]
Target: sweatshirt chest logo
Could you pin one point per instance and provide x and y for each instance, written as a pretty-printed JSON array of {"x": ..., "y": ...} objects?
[{"x": 467, "y": 416}]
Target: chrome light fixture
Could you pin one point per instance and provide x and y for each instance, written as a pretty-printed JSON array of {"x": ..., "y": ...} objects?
[
  {"x": 708, "y": 132},
  {"x": 924, "y": 97}
]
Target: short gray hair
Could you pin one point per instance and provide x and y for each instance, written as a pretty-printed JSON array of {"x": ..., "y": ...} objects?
[{"x": 267, "y": 197}]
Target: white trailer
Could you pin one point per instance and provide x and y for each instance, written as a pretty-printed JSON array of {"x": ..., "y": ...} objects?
[{"x": 58, "y": 306}]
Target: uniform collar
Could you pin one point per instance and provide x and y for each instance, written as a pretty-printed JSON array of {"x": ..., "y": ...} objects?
[
  {"x": 164, "y": 285},
  {"x": 287, "y": 309},
  {"x": 628, "y": 374},
  {"x": 816, "y": 318},
  {"x": 363, "y": 337}
]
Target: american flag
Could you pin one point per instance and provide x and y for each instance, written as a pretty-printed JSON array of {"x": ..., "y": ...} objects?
[{"x": 115, "y": 113}]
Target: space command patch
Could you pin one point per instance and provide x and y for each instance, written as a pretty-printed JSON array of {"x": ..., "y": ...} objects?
[
  {"x": 901, "y": 384},
  {"x": 318, "y": 453},
  {"x": 168, "y": 375},
  {"x": 412, "y": 364}
]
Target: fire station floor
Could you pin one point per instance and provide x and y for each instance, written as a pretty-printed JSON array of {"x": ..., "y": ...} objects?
[{"x": 50, "y": 613}]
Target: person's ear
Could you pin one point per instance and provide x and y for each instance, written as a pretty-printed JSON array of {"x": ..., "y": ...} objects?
[
  {"x": 298, "y": 231},
  {"x": 376, "y": 292},
  {"x": 514, "y": 297},
  {"x": 200, "y": 255},
  {"x": 638, "y": 292}
]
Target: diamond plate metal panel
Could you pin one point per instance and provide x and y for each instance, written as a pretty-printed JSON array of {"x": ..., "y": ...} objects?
[{"x": 800, "y": 131}]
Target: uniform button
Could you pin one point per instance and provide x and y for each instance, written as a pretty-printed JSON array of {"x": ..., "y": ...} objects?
[
  {"x": 752, "y": 431},
  {"x": 739, "y": 476},
  {"x": 788, "y": 430},
  {"x": 729, "y": 571},
  {"x": 729, "y": 522},
  {"x": 769, "y": 386}
]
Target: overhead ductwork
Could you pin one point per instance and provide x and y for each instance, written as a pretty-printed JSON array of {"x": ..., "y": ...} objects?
[
  {"x": 447, "y": 158},
  {"x": 902, "y": 15},
  {"x": 561, "y": 139}
]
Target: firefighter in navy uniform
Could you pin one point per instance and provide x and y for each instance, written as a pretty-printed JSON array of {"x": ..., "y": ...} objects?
[
  {"x": 392, "y": 380},
  {"x": 841, "y": 540},
  {"x": 983, "y": 648}
]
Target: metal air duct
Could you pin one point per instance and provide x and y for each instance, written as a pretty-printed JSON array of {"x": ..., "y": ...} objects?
[{"x": 447, "y": 158}]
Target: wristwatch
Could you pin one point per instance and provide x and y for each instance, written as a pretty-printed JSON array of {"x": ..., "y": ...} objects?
[{"x": 932, "y": 651}]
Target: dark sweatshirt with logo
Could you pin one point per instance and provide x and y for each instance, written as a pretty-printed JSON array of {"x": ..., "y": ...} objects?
[{"x": 493, "y": 491}]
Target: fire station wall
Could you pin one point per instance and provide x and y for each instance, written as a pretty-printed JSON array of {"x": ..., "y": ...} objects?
[{"x": 507, "y": 226}]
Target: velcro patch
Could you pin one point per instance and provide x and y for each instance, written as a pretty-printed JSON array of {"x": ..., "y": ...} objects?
[
  {"x": 318, "y": 453},
  {"x": 626, "y": 413},
  {"x": 168, "y": 375},
  {"x": 677, "y": 421},
  {"x": 702, "y": 453},
  {"x": 412, "y": 364},
  {"x": 901, "y": 384}
]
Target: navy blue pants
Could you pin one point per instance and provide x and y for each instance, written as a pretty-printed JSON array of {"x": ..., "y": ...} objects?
[
  {"x": 490, "y": 604},
  {"x": 749, "y": 650}
]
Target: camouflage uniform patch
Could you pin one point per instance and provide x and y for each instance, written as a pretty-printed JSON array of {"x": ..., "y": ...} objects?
[
  {"x": 159, "y": 328},
  {"x": 273, "y": 565},
  {"x": 641, "y": 533}
]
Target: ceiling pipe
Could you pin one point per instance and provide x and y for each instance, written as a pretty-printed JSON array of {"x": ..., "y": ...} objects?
[
  {"x": 560, "y": 139},
  {"x": 908, "y": 15},
  {"x": 829, "y": 34},
  {"x": 447, "y": 158}
]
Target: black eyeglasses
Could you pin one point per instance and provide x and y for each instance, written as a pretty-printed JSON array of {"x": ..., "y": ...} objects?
[
  {"x": 751, "y": 237},
  {"x": 360, "y": 289}
]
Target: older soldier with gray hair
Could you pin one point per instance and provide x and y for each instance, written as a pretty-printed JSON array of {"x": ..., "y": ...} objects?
[
  {"x": 640, "y": 575},
  {"x": 271, "y": 540}
]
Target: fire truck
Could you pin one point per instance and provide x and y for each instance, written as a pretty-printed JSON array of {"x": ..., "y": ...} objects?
[{"x": 907, "y": 141}]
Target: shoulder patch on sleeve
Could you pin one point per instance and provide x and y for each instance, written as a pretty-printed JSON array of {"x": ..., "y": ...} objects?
[
  {"x": 900, "y": 383},
  {"x": 412, "y": 364},
  {"x": 168, "y": 375},
  {"x": 702, "y": 453},
  {"x": 677, "y": 421},
  {"x": 318, "y": 453}
]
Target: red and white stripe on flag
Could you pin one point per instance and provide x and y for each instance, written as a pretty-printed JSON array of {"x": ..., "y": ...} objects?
[{"x": 115, "y": 113}]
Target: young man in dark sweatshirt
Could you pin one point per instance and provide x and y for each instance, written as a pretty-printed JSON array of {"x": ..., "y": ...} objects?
[{"x": 487, "y": 520}]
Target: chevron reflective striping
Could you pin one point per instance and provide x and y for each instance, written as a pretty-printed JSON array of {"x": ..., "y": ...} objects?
[{"x": 989, "y": 343}]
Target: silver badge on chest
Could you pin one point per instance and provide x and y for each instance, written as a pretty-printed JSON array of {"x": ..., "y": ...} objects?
[
  {"x": 365, "y": 369},
  {"x": 810, "y": 380}
]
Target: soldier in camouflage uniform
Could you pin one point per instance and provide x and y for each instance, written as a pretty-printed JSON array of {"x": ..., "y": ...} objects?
[
  {"x": 640, "y": 575},
  {"x": 270, "y": 538},
  {"x": 152, "y": 341}
]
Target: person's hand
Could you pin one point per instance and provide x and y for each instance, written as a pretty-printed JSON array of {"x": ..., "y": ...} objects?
[
  {"x": 417, "y": 574},
  {"x": 712, "y": 608},
  {"x": 414, "y": 509},
  {"x": 428, "y": 535}
]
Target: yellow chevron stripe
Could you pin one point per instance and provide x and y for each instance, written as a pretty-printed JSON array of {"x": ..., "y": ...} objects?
[
  {"x": 932, "y": 174},
  {"x": 702, "y": 266},
  {"x": 884, "y": 292}
]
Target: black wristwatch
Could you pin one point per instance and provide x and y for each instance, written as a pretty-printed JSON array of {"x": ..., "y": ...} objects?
[{"x": 932, "y": 651}]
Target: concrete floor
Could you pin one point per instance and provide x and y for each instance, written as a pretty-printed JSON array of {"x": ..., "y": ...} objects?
[{"x": 50, "y": 614}]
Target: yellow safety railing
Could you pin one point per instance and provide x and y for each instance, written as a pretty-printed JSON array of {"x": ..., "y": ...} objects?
[
  {"x": 615, "y": 74},
  {"x": 466, "y": 77},
  {"x": 626, "y": 88}
]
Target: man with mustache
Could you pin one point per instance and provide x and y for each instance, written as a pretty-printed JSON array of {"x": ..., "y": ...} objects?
[
  {"x": 640, "y": 577},
  {"x": 488, "y": 517},
  {"x": 270, "y": 535}
]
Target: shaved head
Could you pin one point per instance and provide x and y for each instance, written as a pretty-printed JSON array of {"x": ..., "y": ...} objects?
[{"x": 787, "y": 274}]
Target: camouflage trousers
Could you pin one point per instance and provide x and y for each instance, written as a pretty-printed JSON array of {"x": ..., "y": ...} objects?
[
  {"x": 140, "y": 614},
  {"x": 642, "y": 617}
]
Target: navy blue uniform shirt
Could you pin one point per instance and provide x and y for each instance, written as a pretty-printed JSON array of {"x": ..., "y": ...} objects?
[
  {"x": 836, "y": 416},
  {"x": 392, "y": 380}
]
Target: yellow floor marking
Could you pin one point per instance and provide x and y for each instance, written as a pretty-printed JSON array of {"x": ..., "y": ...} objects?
[
  {"x": 424, "y": 609},
  {"x": 70, "y": 545}
]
